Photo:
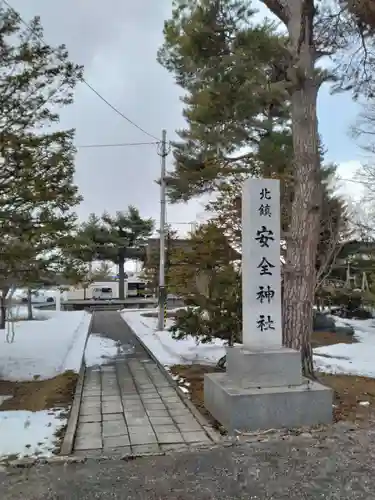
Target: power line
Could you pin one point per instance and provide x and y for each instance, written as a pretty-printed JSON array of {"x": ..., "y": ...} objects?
[
  {"x": 119, "y": 145},
  {"x": 83, "y": 80},
  {"x": 341, "y": 179}
]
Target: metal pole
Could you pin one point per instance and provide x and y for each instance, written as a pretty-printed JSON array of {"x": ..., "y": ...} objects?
[{"x": 162, "y": 290}]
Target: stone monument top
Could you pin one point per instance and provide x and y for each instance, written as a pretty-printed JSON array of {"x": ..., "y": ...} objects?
[{"x": 261, "y": 276}]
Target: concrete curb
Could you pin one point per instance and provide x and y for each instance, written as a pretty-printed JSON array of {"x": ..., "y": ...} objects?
[
  {"x": 68, "y": 441},
  {"x": 26, "y": 463},
  {"x": 211, "y": 433}
]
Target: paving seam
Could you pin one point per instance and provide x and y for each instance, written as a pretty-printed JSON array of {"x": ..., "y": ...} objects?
[
  {"x": 208, "y": 429},
  {"x": 72, "y": 425},
  {"x": 143, "y": 404},
  {"x": 122, "y": 403}
]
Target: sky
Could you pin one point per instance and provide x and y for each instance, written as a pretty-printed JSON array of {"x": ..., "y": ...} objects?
[{"x": 117, "y": 43}]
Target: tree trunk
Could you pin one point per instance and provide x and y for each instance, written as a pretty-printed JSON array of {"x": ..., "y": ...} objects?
[
  {"x": 2, "y": 312},
  {"x": 121, "y": 277},
  {"x": 3, "y": 307},
  {"x": 29, "y": 305},
  {"x": 302, "y": 241}
]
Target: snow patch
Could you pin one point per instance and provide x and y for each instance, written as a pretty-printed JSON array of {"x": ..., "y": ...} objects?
[
  {"x": 29, "y": 434},
  {"x": 44, "y": 349},
  {"x": 100, "y": 350},
  {"x": 350, "y": 359},
  {"x": 168, "y": 350}
]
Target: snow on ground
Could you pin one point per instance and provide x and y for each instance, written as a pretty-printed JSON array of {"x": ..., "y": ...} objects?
[
  {"x": 100, "y": 350},
  {"x": 168, "y": 350},
  {"x": 27, "y": 434},
  {"x": 44, "y": 349},
  {"x": 19, "y": 312},
  {"x": 351, "y": 359}
]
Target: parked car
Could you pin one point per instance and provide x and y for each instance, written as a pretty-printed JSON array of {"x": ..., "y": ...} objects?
[
  {"x": 102, "y": 293},
  {"x": 38, "y": 298}
]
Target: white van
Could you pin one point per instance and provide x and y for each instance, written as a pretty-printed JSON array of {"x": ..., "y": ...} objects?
[{"x": 102, "y": 293}]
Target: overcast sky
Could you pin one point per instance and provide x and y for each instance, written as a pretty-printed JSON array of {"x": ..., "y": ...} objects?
[{"x": 116, "y": 41}]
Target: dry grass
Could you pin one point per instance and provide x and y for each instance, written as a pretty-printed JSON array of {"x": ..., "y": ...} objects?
[
  {"x": 350, "y": 391},
  {"x": 191, "y": 378},
  {"x": 39, "y": 395},
  {"x": 319, "y": 339}
]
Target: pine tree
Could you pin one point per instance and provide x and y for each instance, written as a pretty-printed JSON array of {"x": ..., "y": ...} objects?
[
  {"x": 37, "y": 191},
  {"x": 114, "y": 239},
  {"x": 240, "y": 78},
  {"x": 207, "y": 275}
]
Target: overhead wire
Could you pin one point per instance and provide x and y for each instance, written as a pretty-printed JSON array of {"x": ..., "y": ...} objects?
[
  {"x": 116, "y": 110},
  {"x": 83, "y": 80},
  {"x": 118, "y": 145}
]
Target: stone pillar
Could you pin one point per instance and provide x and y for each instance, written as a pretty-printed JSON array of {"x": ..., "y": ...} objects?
[
  {"x": 261, "y": 276},
  {"x": 58, "y": 300},
  {"x": 263, "y": 385}
]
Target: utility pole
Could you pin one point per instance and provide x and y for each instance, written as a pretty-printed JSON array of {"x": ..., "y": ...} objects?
[{"x": 162, "y": 290}]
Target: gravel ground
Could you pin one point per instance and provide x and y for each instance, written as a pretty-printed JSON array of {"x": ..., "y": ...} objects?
[{"x": 334, "y": 464}]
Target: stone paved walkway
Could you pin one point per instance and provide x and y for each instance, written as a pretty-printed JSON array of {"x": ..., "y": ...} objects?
[{"x": 129, "y": 406}]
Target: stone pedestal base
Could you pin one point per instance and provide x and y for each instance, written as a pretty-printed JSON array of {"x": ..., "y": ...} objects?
[{"x": 264, "y": 390}]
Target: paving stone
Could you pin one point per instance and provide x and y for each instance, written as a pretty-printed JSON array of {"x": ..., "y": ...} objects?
[
  {"x": 97, "y": 417},
  {"x": 135, "y": 409},
  {"x": 86, "y": 409},
  {"x": 120, "y": 452},
  {"x": 165, "y": 429},
  {"x": 137, "y": 421},
  {"x": 137, "y": 429},
  {"x": 88, "y": 412},
  {"x": 195, "y": 437},
  {"x": 88, "y": 453},
  {"x": 89, "y": 429},
  {"x": 96, "y": 393},
  {"x": 110, "y": 392},
  {"x": 140, "y": 449},
  {"x": 170, "y": 438},
  {"x": 91, "y": 399},
  {"x": 155, "y": 406},
  {"x": 87, "y": 443},
  {"x": 179, "y": 412},
  {"x": 157, "y": 413},
  {"x": 185, "y": 419},
  {"x": 174, "y": 447},
  {"x": 172, "y": 400},
  {"x": 130, "y": 403},
  {"x": 107, "y": 369},
  {"x": 113, "y": 417},
  {"x": 135, "y": 413},
  {"x": 114, "y": 428},
  {"x": 110, "y": 399},
  {"x": 150, "y": 396},
  {"x": 109, "y": 385},
  {"x": 130, "y": 407},
  {"x": 92, "y": 385},
  {"x": 128, "y": 390},
  {"x": 175, "y": 405},
  {"x": 130, "y": 398},
  {"x": 111, "y": 407},
  {"x": 115, "y": 442},
  {"x": 167, "y": 392},
  {"x": 190, "y": 427},
  {"x": 142, "y": 437},
  {"x": 160, "y": 420}
]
